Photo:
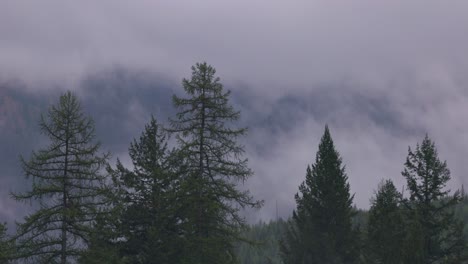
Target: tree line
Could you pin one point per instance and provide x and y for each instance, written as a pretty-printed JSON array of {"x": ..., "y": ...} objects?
[
  {"x": 428, "y": 226},
  {"x": 267, "y": 236},
  {"x": 421, "y": 228},
  {"x": 179, "y": 200}
]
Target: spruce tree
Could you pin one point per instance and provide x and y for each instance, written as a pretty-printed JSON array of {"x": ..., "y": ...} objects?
[
  {"x": 320, "y": 230},
  {"x": 146, "y": 198},
  {"x": 67, "y": 184},
  {"x": 207, "y": 137},
  {"x": 431, "y": 206},
  {"x": 386, "y": 229}
]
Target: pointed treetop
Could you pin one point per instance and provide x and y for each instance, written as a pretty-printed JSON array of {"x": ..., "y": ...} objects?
[
  {"x": 327, "y": 131},
  {"x": 326, "y": 146},
  {"x": 327, "y": 136}
]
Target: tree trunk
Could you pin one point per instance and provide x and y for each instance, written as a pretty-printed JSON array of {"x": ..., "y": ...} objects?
[{"x": 63, "y": 257}]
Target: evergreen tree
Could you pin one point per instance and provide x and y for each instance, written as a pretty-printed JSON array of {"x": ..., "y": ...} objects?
[
  {"x": 6, "y": 246},
  {"x": 146, "y": 198},
  {"x": 106, "y": 241},
  {"x": 386, "y": 230},
  {"x": 265, "y": 249},
  {"x": 295, "y": 242},
  {"x": 208, "y": 141},
  {"x": 67, "y": 184},
  {"x": 431, "y": 206},
  {"x": 320, "y": 230},
  {"x": 413, "y": 243}
]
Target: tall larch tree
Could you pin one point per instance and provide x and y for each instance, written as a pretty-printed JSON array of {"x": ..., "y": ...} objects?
[
  {"x": 386, "y": 229},
  {"x": 66, "y": 183},
  {"x": 208, "y": 138},
  {"x": 431, "y": 205},
  {"x": 320, "y": 230}
]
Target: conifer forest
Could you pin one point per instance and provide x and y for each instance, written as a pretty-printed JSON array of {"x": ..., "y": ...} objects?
[{"x": 181, "y": 198}]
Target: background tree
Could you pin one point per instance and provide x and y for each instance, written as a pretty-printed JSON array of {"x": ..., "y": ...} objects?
[
  {"x": 386, "y": 229},
  {"x": 265, "y": 249},
  {"x": 294, "y": 245},
  {"x": 441, "y": 233},
  {"x": 67, "y": 183},
  {"x": 207, "y": 138},
  {"x": 320, "y": 229}
]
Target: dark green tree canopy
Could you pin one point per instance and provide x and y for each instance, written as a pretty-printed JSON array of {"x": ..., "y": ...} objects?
[
  {"x": 425, "y": 174},
  {"x": 208, "y": 141},
  {"x": 147, "y": 199},
  {"x": 321, "y": 226},
  {"x": 205, "y": 129},
  {"x": 67, "y": 183},
  {"x": 386, "y": 229},
  {"x": 6, "y": 245},
  {"x": 431, "y": 207}
]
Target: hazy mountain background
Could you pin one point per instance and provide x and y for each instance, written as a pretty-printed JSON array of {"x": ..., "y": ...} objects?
[
  {"x": 381, "y": 74},
  {"x": 283, "y": 133}
]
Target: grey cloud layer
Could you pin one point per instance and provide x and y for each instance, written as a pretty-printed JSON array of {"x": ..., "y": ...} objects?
[
  {"x": 293, "y": 43},
  {"x": 371, "y": 130},
  {"x": 381, "y": 73}
]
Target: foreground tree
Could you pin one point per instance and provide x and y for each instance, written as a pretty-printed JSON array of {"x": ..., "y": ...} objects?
[
  {"x": 320, "y": 230},
  {"x": 431, "y": 208},
  {"x": 386, "y": 229},
  {"x": 215, "y": 165},
  {"x": 6, "y": 246},
  {"x": 67, "y": 184},
  {"x": 103, "y": 248},
  {"x": 146, "y": 196}
]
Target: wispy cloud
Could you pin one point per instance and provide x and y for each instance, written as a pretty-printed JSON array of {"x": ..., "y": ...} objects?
[{"x": 381, "y": 74}]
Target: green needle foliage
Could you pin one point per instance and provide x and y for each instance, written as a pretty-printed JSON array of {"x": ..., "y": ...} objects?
[
  {"x": 6, "y": 245},
  {"x": 67, "y": 184},
  {"x": 266, "y": 248},
  {"x": 147, "y": 195},
  {"x": 320, "y": 230},
  {"x": 207, "y": 139},
  {"x": 431, "y": 209},
  {"x": 386, "y": 229}
]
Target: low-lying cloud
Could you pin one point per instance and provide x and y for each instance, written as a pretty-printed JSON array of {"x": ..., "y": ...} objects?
[{"x": 381, "y": 74}]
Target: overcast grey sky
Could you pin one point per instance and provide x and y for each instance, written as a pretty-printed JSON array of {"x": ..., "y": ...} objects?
[{"x": 410, "y": 56}]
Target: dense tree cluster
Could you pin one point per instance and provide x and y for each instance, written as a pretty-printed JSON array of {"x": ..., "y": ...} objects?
[
  {"x": 419, "y": 229},
  {"x": 268, "y": 235},
  {"x": 179, "y": 200},
  {"x": 264, "y": 246}
]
